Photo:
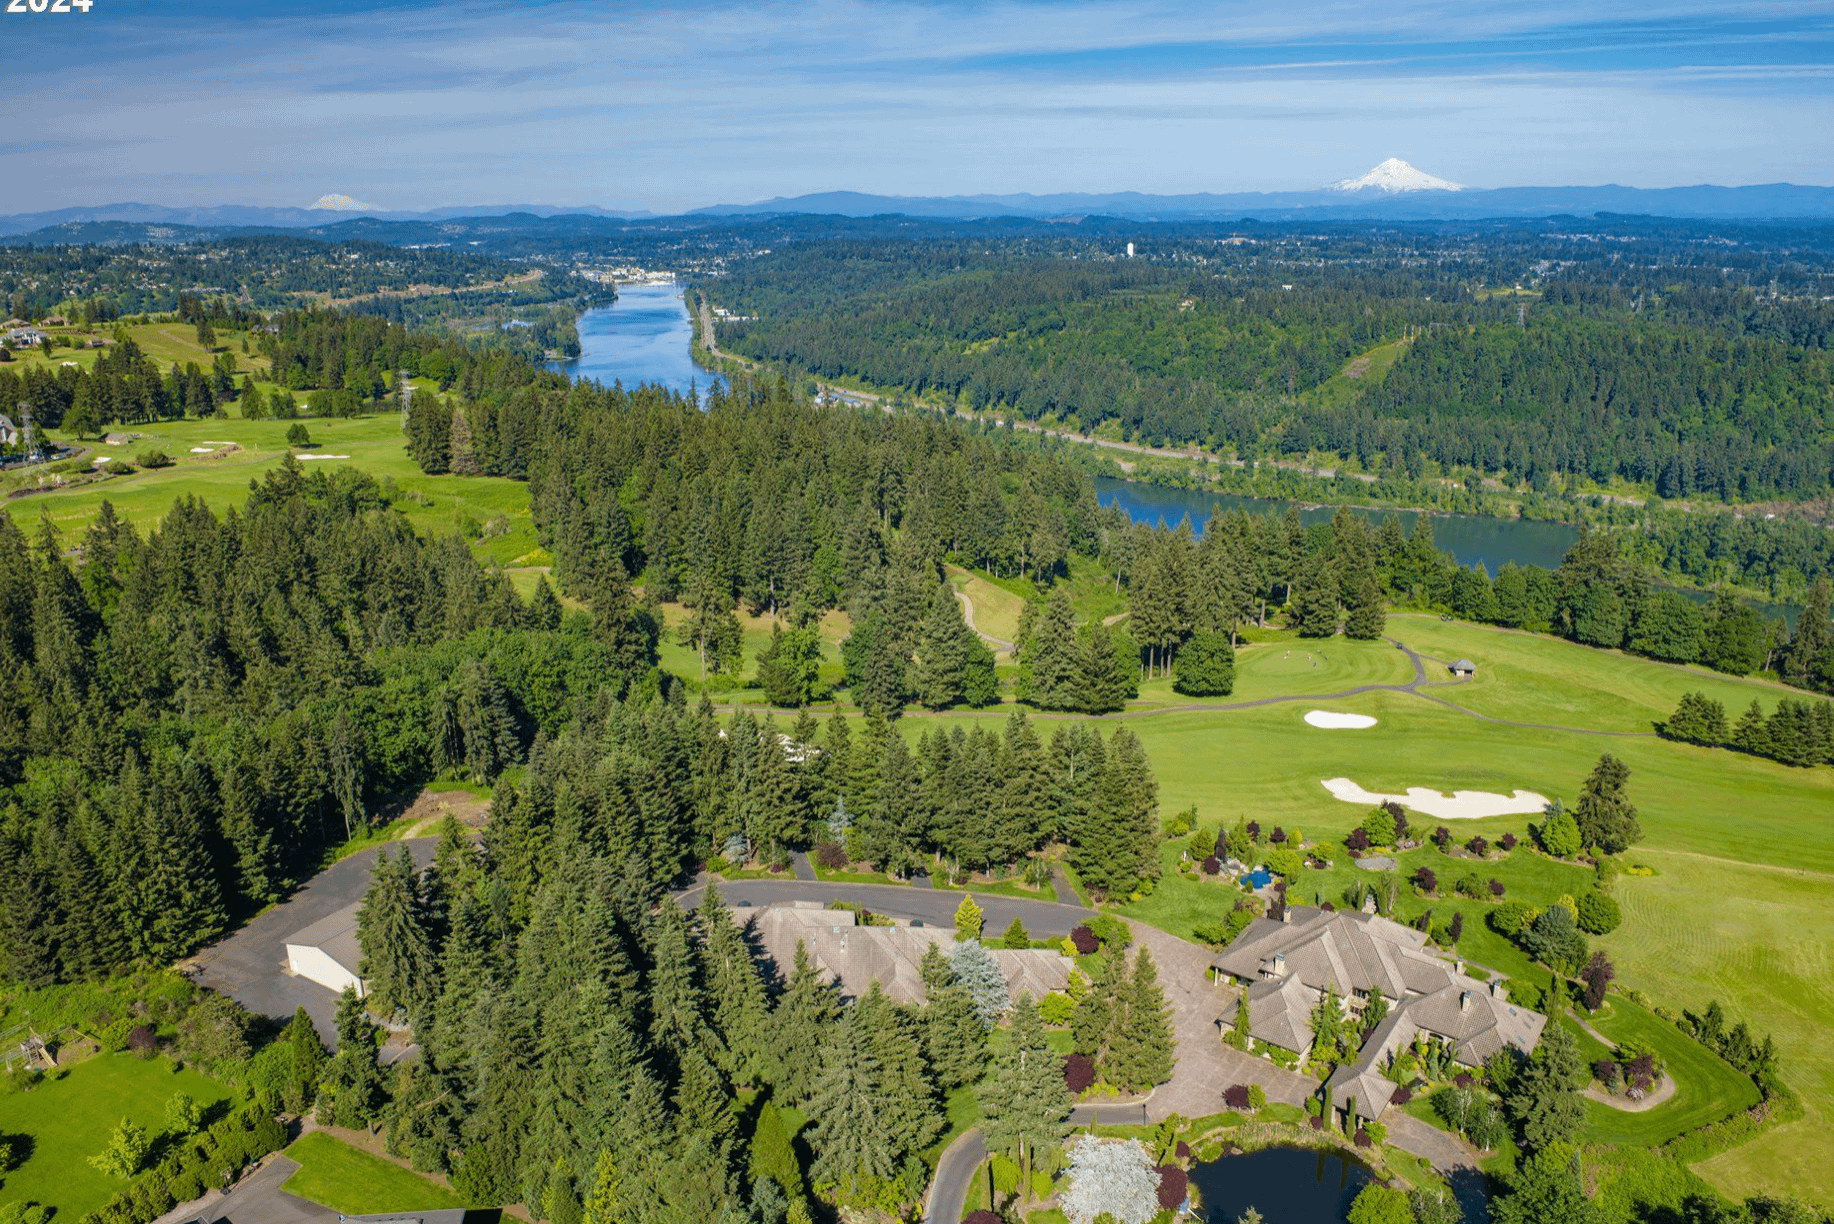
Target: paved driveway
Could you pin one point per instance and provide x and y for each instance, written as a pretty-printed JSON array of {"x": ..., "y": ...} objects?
[
  {"x": 932, "y": 907},
  {"x": 250, "y": 965}
]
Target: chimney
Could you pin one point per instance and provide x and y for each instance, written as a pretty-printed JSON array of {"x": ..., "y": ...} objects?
[
  {"x": 1464, "y": 1000},
  {"x": 1279, "y": 964},
  {"x": 1286, "y": 913}
]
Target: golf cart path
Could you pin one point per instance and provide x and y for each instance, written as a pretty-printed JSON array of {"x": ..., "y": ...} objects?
[{"x": 968, "y": 617}]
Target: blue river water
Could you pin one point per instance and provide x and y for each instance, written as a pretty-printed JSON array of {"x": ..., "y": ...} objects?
[
  {"x": 646, "y": 337},
  {"x": 1469, "y": 538},
  {"x": 643, "y": 337}
]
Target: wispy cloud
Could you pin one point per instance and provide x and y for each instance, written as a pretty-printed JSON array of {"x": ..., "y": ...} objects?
[{"x": 673, "y": 105}]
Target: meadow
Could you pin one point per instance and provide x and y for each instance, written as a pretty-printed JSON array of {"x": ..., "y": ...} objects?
[
  {"x": 351, "y": 1182},
  {"x": 69, "y": 1115}
]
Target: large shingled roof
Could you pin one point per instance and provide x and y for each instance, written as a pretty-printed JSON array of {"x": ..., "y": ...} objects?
[{"x": 855, "y": 956}]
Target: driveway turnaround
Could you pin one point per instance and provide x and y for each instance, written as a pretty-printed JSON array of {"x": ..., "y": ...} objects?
[{"x": 251, "y": 965}]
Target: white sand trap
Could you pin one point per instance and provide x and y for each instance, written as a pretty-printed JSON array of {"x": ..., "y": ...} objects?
[
  {"x": 322, "y": 456},
  {"x": 1459, "y": 805},
  {"x": 203, "y": 450},
  {"x": 1325, "y": 718}
]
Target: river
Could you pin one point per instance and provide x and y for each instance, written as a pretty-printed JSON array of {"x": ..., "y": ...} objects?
[
  {"x": 646, "y": 337},
  {"x": 1469, "y": 538},
  {"x": 643, "y": 337}
]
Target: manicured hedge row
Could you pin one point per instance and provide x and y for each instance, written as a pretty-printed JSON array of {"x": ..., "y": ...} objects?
[{"x": 194, "y": 1165}]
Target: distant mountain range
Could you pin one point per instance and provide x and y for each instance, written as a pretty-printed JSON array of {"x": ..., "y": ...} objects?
[
  {"x": 333, "y": 210},
  {"x": 1393, "y": 190},
  {"x": 1774, "y": 200}
]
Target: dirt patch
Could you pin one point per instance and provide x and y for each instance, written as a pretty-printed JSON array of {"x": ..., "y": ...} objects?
[
  {"x": 431, "y": 807},
  {"x": 1357, "y": 368}
]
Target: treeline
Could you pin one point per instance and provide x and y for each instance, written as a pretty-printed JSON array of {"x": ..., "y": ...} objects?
[
  {"x": 97, "y": 284},
  {"x": 1337, "y": 575},
  {"x": 188, "y": 720},
  {"x": 1701, "y": 386},
  {"x": 1795, "y": 733}
]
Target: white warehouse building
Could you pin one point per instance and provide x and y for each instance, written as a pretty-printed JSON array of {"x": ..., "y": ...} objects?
[{"x": 327, "y": 953}]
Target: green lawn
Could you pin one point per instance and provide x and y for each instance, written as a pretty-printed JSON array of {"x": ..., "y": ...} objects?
[
  {"x": 1530, "y": 678},
  {"x": 1706, "y": 1088},
  {"x": 356, "y": 1183},
  {"x": 69, "y": 1116},
  {"x": 996, "y": 609},
  {"x": 492, "y": 512}
]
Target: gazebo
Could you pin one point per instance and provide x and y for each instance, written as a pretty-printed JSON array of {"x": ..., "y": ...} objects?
[{"x": 1464, "y": 669}]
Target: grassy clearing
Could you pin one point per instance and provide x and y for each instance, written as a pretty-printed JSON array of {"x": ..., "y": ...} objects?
[
  {"x": 492, "y": 512},
  {"x": 1706, "y": 1087},
  {"x": 1365, "y": 370},
  {"x": 1533, "y": 678},
  {"x": 355, "y": 1183},
  {"x": 69, "y": 1116},
  {"x": 682, "y": 660},
  {"x": 996, "y": 609}
]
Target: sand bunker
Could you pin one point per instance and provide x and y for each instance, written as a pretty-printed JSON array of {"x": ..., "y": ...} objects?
[
  {"x": 1459, "y": 805},
  {"x": 321, "y": 456},
  {"x": 1325, "y": 718}
]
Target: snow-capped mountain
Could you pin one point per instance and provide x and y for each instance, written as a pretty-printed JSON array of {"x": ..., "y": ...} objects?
[{"x": 1394, "y": 176}]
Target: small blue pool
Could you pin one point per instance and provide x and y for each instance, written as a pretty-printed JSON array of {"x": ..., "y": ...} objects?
[{"x": 1258, "y": 879}]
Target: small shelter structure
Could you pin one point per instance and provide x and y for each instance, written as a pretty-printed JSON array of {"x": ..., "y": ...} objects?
[
  {"x": 1464, "y": 669},
  {"x": 327, "y": 953}
]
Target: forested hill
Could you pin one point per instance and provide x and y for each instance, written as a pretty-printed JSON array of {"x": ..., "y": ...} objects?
[{"x": 1692, "y": 361}]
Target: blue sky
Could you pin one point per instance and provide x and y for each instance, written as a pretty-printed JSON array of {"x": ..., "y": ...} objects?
[{"x": 668, "y": 106}]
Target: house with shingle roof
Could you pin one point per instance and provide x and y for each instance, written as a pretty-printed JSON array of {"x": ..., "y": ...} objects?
[
  {"x": 1284, "y": 967},
  {"x": 856, "y": 956}
]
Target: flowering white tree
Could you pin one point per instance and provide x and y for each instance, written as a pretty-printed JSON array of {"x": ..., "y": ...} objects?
[{"x": 1111, "y": 1175}]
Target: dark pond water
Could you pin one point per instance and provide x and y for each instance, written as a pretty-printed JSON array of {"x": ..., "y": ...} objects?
[
  {"x": 643, "y": 337},
  {"x": 1286, "y": 1185},
  {"x": 1469, "y": 538}
]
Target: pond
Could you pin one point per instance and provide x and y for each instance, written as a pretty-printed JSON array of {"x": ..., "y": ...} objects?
[{"x": 1286, "y": 1185}]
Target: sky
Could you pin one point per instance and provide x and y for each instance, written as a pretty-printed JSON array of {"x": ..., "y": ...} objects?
[{"x": 668, "y": 105}]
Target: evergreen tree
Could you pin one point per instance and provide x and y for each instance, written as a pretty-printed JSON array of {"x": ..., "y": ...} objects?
[
  {"x": 802, "y": 1024},
  {"x": 1205, "y": 666},
  {"x": 1025, "y": 1104},
  {"x": 1314, "y": 599},
  {"x": 1141, "y": 1052},
  {"x": 980, "y": 976},
  {"x": 1050, "y": 658},
  {"x": 1544, "y": 1100},
  {"x": 305, "y": 1057},
  {"x": 848, "y": 1135},
  {"x": 398, "y": 967},
  {"x": 544, "y": 607},
  {"x": 954, "y": 1040},
  {"x": 789, "y": 669},
  {"x": 1604, "y": 814},
  {"x": 1546, "y": 1190},
  {"x": 1808, "y": 661}
]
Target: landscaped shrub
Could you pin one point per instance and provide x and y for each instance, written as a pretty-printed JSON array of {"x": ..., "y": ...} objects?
[
  {"x": 1078, "y": 1072},
  {"x": 1235, "y": 1096},
  {"x": 1496, "y": 888},
  {"x": 1174, "y": 1186},
  {"x": 1425, "y": 880},
  {"x": 1362, "y": 1139},
  {"x": 1507, "y": 841},
  {"x": 830, "y": 856},
  {"x": 1085, "y": 940},
  {"x": 1599, "y": 914},
  {"x": 982, "y": 1217},
  {"x": 1442, "y": 836},
  {"x": 1401, "y": 1095},
  {"x": 1212, "y": 865},
  {"x": 141, "y": 1041},
  {"x": 1356, "y": 841},
  {"x": 1478, "y": 846},
  {"x": 1278, "y": 836},
  {"x": 1257, "y": 1097},
  {"x": 1111, "y": 931}
]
